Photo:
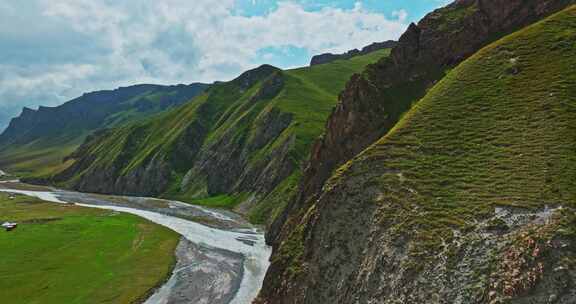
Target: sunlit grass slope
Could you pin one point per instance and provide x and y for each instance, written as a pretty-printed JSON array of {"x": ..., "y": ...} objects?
[
  {"x": 312, "y": 92},
  {"x": 39, "y": 157},
  {"x": 499, "y": 130}
]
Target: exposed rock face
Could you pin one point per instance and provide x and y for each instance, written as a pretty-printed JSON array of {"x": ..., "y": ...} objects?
[
  {"x": 221, "y": 165},
  {"x": 334, "y": 244},
  {"x": 373, "y": 102},
  {"x": 329, "y": 57},
  {"x": 224, "y": 166},
  {"x": 149, "y": 179}
]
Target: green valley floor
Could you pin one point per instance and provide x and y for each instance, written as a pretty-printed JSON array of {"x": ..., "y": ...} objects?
[{"x": 68, "y": 254}]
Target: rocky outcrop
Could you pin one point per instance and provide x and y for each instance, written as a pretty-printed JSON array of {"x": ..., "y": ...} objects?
[
  {"x": 228, "y": 164},
  {"x": 249, "y": 78},
  {"x": 329, "y": 57},
  {"x": 346, "y": 241},
  {"x": 243, "y": 154},
  {"x": 373, "y": 102},
  {"x": 151, "y": 178}
]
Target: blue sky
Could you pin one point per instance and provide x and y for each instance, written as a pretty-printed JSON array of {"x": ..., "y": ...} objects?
[
  {"x": 54, "y": 50},
  {"x": 417, "y": 8},
  {"x": 287, "y": 56}
]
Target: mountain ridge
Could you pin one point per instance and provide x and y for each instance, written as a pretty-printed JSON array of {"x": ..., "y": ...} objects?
[
  {"x": 38, "y": 140},
  {"x": 237, "y": 145},
  {"x": 468, "y": 199},
  {"x": 76, "y": 105},
  {"x": 329, "y": 57},
  {"x": 374, "y": 100}
]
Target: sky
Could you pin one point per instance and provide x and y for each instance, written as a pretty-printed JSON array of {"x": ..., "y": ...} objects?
[{"x": 54, "y": 50}]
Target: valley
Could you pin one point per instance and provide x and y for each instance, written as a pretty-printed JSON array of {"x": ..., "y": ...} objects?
[
  {"x": 220, "y": 258},
  {"x": 240, "y": 141},
  {"x": 433, "y": 169}
]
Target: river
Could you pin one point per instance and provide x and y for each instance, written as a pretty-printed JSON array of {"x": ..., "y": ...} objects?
[{"x": 221, "y": 259}]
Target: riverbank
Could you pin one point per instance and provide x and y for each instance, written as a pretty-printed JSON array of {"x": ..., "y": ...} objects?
[
  {"x": 230, "y": 255},
  {"x": 49, "y": 259},
  {"x": 201, "y": 275}
]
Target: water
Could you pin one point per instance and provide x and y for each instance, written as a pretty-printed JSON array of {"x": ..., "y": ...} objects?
[{"x": 247, "y": 242}]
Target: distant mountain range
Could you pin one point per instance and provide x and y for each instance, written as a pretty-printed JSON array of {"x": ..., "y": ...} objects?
[{"x": 41, "y": 138}]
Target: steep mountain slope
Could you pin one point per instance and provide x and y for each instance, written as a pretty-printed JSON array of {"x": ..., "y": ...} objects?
[
  {"x": 470, "y": 198},
  {"x": 37, "y": 140},
  {"x": 242, "y": 141},
  {"x": 374, "y": 101}
]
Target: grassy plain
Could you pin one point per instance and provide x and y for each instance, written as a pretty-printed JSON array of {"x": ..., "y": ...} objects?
[{"x": 69, "y": 254}]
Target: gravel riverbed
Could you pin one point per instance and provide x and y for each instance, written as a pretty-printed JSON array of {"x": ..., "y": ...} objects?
[{"x": 221, "y": 258}]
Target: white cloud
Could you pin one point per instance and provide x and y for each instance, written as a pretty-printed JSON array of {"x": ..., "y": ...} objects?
[
  {"x": 179, "y": 41},
  {"x": 215, "y": 34}
]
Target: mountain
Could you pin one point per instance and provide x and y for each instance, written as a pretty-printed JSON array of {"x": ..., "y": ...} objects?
[
  {"x": 329, "y": 57},
  {"x": 37, "y": 140},
  {"x": 376, "y": 99},
  {"x": 239, "y": 144},
  {"x": 468, "y": 197}
]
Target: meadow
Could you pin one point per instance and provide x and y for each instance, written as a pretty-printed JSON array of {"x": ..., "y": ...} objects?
[{"x": 68, "y": 254}]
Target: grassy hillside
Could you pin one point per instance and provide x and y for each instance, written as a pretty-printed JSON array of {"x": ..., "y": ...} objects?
[
  {"x": 37, "y": 141},
  {"x": 38, "y": 158},
  {"x": 498, "y": 130},
  {"x": 375, "y": 100},
  {"x": 234, "y": 144},
  {"x": 66, "y": 254},
  {"x": 312, "y": 92},
  {"x": 470, "y": 198}
]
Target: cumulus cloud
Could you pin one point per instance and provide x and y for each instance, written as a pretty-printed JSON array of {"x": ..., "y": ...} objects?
[{"x": 75, "y": 46}]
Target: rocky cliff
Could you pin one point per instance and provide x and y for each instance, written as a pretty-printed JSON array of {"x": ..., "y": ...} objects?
[
  {"x": 239, "y": 145},
  {"x": 470, "y": 198},
  {"x": 374, "y": 101},
  {"x": 140, "y": 159}
]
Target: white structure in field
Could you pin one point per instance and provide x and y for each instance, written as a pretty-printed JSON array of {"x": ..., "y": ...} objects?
[{"x": 9, "y": 226}]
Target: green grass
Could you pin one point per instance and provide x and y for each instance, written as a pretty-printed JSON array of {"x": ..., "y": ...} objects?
[
  {"x": 498, "y": 130},
  {"x": 132, "y": 145},
  {"x": 68, "y": 254},
  {"x": 332, "y": 77},
  {"x": 227, "y": 114},
  {"x": 43, "y": 154},
  {"x": 312, "y": 92},
  {"x": 37, "y": 158},
  {"x": 224, "y": 201}
]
